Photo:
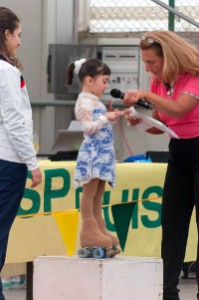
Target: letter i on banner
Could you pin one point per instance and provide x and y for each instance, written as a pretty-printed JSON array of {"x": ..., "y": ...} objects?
[{"x": 67, "y": 222}]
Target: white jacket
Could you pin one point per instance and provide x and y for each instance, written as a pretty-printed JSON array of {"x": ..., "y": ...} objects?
[{"x": 16, "y": 127}]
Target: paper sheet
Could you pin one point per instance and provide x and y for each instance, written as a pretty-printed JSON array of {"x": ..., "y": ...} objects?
[
  {"x": 75, "y": 126},
  {"x": 148, "y": 122}
]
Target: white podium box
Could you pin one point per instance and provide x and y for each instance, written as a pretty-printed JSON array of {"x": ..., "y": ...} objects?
[{"x": 118, "y": 278}]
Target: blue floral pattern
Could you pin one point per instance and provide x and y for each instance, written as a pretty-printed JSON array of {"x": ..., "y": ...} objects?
[{"x": 96, "y": 157}]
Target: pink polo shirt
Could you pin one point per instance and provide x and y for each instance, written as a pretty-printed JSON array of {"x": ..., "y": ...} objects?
[{"x": 187, "y": 126}]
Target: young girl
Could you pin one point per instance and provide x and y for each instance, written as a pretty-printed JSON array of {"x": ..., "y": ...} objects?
[{"x": 96, "y": 157}]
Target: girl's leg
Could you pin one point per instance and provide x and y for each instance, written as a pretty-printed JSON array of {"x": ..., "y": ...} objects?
[
  {"x": 97, "y": 208},
  {"x": 90, "y": 234}
]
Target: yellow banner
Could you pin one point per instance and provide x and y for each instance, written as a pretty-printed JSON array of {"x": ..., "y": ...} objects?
[{"x": 35, "y": 231}]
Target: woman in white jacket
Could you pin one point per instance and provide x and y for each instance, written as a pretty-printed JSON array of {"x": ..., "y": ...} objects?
[{"x": 17, "y": 154}]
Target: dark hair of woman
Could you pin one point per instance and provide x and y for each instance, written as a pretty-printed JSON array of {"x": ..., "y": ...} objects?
[{"x": 8, "y": 21}]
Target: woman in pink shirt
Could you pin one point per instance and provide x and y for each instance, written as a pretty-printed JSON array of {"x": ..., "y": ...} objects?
[{"x": 174, "y": 94}]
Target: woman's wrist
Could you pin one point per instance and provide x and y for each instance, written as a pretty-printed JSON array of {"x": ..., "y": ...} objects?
[{"x": 146, "y": 95}]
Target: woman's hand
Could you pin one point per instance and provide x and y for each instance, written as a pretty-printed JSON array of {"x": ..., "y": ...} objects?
[
  {"x": 131, "y": 97},
  {"x": 36, "y": 177},
  {"x": 132, "y": 121}
]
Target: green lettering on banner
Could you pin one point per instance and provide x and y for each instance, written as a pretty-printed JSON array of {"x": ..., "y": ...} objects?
[
  {"x": 49, "y": 194},
  {"x": 149, "y": 205},
  {"x": 135, "y": 197},
  {"x": 106, "y": 201},
  {"x": 152, "y": 206},
  {"x": 78, "y": 192},
  {"x": 125, "y": 195},
  {"x": 106, "y": 198},
  {"x": 34, "y": 197}
]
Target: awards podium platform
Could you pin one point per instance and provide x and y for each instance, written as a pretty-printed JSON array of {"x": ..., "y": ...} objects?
[{"x": 118, "y": 278}]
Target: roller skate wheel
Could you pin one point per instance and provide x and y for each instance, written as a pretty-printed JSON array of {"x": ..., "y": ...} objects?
[
  {"x": 84, "y": 252},
  {"x": 98, "y": 253}
]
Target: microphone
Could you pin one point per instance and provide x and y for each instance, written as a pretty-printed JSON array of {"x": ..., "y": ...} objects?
[{"x": 118, "y": 94}]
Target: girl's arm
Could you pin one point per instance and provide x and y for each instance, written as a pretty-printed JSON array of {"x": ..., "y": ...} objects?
[{"x": 84, "y": 112}]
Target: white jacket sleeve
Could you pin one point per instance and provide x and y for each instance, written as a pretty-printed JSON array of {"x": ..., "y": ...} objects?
[{"x": 13, "y": 118}]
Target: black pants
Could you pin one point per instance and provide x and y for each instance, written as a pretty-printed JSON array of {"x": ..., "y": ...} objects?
[
  {"x": 12, "y": 183},
  {"x": 181, "y": 193}
]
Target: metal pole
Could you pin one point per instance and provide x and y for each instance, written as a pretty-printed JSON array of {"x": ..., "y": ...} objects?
[
  {"x": 29, "y": 284},
  {"x": 69, "y": 103},
  {"x": 177, "y": 13},
  {"x": 171, "y": 18}
]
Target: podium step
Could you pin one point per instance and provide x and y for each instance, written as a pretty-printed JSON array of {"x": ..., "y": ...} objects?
[{"x": 118, "y": 278}]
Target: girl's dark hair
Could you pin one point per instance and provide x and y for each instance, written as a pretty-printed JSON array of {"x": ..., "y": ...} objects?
[
  {"x": 8, "y": 21},
  {"x": 91, "y": 67}
]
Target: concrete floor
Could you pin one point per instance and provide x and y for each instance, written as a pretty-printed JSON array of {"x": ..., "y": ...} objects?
[
  {"x": 15, "y": 294},
  {"x": 188, "y": 290}
]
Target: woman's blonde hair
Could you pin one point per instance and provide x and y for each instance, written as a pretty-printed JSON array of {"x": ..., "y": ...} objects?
[{"x": 179, "y": 56}]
